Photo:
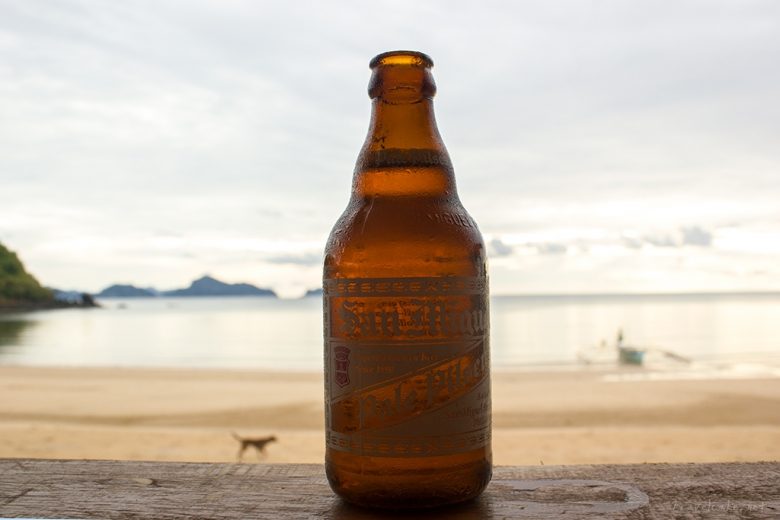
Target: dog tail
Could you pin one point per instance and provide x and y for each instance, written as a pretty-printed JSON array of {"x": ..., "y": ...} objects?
[{"x": 235, "y": 436}]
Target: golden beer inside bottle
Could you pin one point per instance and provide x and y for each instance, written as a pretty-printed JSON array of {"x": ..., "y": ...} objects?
[{"x": 406, "y": 313}]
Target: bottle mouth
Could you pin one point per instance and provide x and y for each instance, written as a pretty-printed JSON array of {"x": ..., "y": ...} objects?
[{"x": 404, "y": 58}]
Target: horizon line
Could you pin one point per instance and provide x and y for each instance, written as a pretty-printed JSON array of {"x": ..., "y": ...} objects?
[{"x": 735, "y": 293}]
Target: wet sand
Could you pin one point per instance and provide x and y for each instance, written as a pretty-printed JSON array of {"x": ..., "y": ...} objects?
[{"x": 549, "y": 417}]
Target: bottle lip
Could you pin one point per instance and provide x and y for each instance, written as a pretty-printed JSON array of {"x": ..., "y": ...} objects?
[{"x": 409, "y": 58}]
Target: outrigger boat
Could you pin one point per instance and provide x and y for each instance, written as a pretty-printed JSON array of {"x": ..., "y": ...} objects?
[{"x": 626, "y": 354}]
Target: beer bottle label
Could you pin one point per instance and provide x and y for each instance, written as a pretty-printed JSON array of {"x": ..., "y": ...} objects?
[{"x": 406, "y": 365}]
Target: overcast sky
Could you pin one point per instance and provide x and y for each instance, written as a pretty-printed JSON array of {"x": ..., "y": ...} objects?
[{"x": 603, "y": 146}]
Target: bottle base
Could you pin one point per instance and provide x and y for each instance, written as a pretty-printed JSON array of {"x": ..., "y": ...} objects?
[{"x": 412, "y": 490}]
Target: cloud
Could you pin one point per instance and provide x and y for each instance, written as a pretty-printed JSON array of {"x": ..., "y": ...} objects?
[
  {"x": 551, "y": 248},
  {"x": 660, "y": 240},
  {"x": 631, "y": 242},
  {"x": 306, "y": 259},
  {"x": 696, "y": 236},
  {"x": 497, "y": 248},
  {"x": 684, "y": 236}
]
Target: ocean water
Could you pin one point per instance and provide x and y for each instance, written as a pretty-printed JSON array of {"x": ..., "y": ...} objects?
[{"x": 526, "y": 331}]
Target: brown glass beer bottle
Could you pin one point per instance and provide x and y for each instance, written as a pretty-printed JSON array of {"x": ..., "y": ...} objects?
[{"x": 407, "y": 380}]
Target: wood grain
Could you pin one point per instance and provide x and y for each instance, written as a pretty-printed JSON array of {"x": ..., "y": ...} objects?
[{"x": 129, "y": 490}]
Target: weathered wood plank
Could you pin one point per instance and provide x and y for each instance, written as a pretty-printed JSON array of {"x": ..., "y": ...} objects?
[{"x": 129, "y": 490}]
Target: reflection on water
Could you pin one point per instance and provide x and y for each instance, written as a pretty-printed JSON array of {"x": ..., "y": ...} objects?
[
  {"x": 11, "y": 330},
  {"x": 287, "y": 334}
]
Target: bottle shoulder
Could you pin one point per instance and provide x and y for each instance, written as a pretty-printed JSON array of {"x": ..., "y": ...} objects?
[
  {"x": 378, "y": 219},
  {"x": 414, "y": 236}
]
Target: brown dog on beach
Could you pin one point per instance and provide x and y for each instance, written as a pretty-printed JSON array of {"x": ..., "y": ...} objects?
[{"x": 256, "y": 443}]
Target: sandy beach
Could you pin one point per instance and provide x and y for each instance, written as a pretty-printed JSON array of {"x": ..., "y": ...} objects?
[{"x": 539, "y": 417}]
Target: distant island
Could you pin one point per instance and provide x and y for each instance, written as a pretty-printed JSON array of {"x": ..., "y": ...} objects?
[
  {"x": 313, "y": 292},
  {"x": 19, "y": 290},
  {"x": 208, "y": 286},
  {"x": 204, "y": 286},
  {"x": 126, "y": 291}
]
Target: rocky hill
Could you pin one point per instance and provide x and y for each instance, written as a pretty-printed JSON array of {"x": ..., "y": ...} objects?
[{"x": 18, "y": 288}]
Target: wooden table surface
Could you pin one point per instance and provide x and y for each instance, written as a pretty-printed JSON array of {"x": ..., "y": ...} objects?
[{"x": 32, "y": 488}]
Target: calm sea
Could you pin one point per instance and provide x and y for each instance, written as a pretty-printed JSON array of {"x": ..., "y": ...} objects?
[{"x": 526, "y": 331}]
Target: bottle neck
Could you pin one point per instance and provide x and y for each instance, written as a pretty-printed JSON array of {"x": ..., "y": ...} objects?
[
  {"x": 403, "y": 135},
  {"x": 403, "y": 153}
]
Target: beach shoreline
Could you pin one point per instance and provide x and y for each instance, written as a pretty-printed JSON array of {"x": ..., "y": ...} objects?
[{"x": 587, "y": 416}]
